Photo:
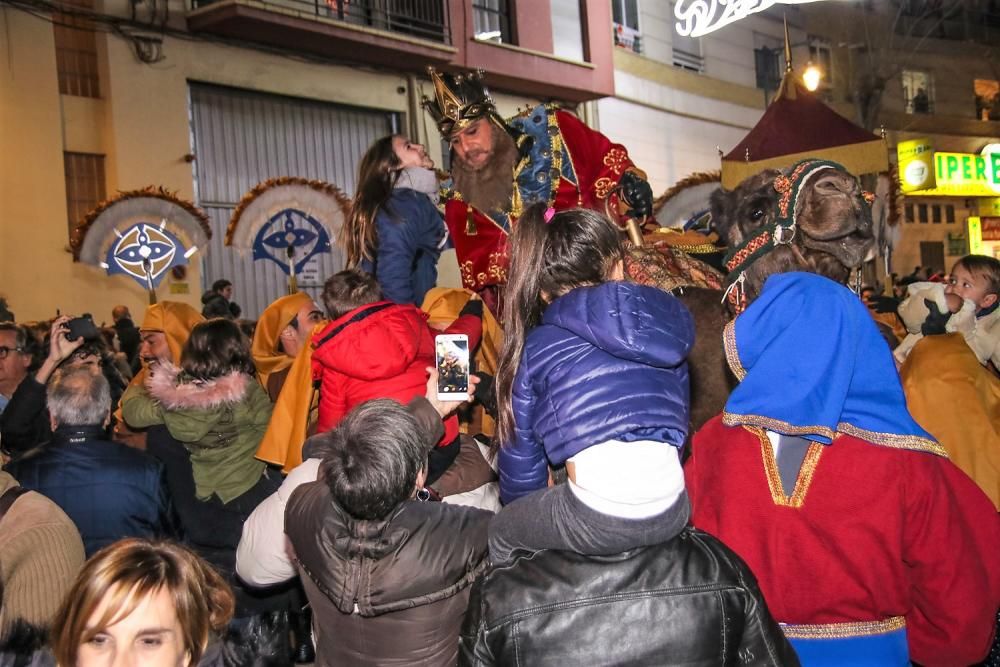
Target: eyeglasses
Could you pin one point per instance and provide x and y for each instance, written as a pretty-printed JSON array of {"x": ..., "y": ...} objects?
[{"x": 4, "y": 351}]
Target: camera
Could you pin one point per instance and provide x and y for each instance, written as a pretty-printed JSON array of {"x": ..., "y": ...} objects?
[{"x": 81, "y": 327}]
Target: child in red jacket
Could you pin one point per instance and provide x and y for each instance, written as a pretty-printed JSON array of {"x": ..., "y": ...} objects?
[{"x": 378, "y": 349}]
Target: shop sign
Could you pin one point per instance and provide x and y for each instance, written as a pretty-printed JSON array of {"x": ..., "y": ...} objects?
[
  {"x": 916, "y": 169},
  {"x": 990, "y": 228},
  {"x": 975, "y": 236},
  {"x": 989, "y": 206},
  {"x": 955, "y": 174}
]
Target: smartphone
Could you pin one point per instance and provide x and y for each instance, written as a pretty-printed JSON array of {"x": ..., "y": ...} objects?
[
  {"x": 451, "y": 357},
  {"x": 81, "y": 327}
]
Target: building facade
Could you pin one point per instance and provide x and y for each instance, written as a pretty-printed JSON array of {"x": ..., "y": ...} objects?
[
  {"x": 207, "y": 98},
  {"x": 925, "y": 72}
]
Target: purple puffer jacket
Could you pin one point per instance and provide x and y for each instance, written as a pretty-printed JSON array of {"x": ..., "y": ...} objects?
[{"x": 607, "y": 362}]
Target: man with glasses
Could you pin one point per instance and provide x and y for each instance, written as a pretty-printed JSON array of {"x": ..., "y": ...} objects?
[{"x": 15, "y": 359}]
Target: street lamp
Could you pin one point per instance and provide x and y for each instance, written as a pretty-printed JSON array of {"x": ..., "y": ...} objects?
[{"x": 812, "y": 77}]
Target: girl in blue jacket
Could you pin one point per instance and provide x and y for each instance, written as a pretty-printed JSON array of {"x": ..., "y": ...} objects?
[
  {"x": 592, "y": 376},
  {"x": 394, "y": 230}
]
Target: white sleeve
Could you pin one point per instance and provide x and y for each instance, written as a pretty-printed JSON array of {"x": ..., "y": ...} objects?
[{"x": 262, "y": 557}]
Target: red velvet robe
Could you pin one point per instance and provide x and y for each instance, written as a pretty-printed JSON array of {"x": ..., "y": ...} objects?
[{"x": 870, "y": 533}]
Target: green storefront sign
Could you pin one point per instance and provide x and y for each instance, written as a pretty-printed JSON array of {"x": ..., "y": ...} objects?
[{"x": 954, "y": 174}]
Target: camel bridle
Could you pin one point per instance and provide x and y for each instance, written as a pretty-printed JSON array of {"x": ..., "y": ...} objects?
[{"x": 781, "y": 232}]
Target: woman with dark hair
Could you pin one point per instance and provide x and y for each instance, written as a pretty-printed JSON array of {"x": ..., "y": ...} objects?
[
  {"x": 215, "y": 406},
  {"x": 394, "y": 230}
]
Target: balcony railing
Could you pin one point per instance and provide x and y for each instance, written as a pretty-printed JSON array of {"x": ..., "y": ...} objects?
[{"x": 426, "y": 19}]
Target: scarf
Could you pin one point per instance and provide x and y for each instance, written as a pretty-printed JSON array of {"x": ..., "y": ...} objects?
[
  {"x": 811, "y": 363},
  {"x": 421, "y": 180},
  {"x": 266, "y": 356}
]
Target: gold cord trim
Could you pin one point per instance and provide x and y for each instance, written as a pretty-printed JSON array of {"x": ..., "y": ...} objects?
[
  {"x": 802, "y": 481},
  {"x": 732, "y": 354},
  {"x": 777, "y": 425},
  {"x": 556, "y": 148},
  {"x": 844, "y": 630},
  {"x": 912, "y": 442}
]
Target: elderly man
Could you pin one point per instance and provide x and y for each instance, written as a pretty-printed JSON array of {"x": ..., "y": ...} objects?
[
  {"x": 553, "y": 157},
  {"x": 108, "y": 489},
  {"x": 15, "y": 359},
  {"x": 283, "y": 329}
]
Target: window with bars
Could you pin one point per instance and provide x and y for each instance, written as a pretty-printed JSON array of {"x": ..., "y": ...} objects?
[
  {"x": 492, "y": 21},
  {"x": 76, "y": 52},
  {"x": 625, "y": 17},
  {"x": 85, "y": 187}
]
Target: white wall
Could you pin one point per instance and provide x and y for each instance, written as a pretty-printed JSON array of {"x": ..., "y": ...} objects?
[{"x": 666, "y": 146}]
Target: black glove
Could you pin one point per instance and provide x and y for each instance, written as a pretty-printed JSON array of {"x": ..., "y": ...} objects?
[
  {"x": 486, "y": 394},
  {"x": 884, "y": 304},
  {"x": 472, "y": 307},
  {"x": 934, "y": 324},
  {"x": 637, "y": 194}
]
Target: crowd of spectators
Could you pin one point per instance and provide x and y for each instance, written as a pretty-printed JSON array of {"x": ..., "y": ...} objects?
[{"x": 181, "y": 493}]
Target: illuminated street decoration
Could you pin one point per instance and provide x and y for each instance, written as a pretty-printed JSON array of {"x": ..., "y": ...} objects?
[
  {"x": 289, "y": 221},
  {"x": 141, "y": 234},
  {"x": 291, "y": 238},
  {"x": 145, "y": 252},
  {"x": 696, "y": 18}
]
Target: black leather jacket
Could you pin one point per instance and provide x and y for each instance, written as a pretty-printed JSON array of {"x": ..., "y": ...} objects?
[{"x": 690, "y": 601}]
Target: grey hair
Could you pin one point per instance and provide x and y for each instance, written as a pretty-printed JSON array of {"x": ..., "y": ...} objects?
[
  {"x": 79, "y": 397},
  {"x": 374, "y": 457}
]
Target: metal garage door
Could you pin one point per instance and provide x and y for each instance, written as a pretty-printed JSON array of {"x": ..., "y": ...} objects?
[{"x": 243, "y": 137}]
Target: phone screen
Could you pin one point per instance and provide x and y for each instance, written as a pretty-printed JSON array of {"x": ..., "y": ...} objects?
[{"x": 452, "y": 364}]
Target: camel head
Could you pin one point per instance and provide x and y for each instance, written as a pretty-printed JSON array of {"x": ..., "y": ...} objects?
[{"x": 827, "y": 222}]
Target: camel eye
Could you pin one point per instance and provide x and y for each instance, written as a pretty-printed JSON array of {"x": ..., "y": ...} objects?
[{"x": 756, "y": 214}]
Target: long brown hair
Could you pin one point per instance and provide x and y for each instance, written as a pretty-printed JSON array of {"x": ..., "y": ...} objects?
[
  {"x": 127, "y": 572},
  {"x": 377, "y": 175},
  {"x": 574, "y": 248}
]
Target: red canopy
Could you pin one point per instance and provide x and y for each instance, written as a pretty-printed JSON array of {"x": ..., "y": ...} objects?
[{"x": 797, "y": 126}]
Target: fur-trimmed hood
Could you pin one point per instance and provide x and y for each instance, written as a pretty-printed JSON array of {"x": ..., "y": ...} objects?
[{"x": 164, "y": 386}]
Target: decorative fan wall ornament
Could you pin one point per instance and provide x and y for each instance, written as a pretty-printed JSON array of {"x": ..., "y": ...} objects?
[
  {"x": 289, "y": 221},
  {"x": 141, "y": 234},
  {"x": 696, "y": 18}
]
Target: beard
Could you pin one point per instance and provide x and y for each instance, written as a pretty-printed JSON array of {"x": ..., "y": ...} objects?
[{"x": 490, "y": 187}]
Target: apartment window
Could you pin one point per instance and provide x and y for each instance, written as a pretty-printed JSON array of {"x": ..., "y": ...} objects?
[
  {"x": 922, "y": 213},
  {"x": 949, "y": 214},
  {"x": 918, "y": 91},
  {"x": 492, "y": 21},
  {"x": 84, "y": 185},
  {"x": 687, "y": 53},
  {"x": 936, "y": 214},
  {"x": 987, "y": 99},
  {"x": 625, "y": 15},
  {"x": 768, "y": 65},
  {"x": 821, "y": 55},
  {"x": 76, "y": 52},
  {"x": 909, "y": 213}
]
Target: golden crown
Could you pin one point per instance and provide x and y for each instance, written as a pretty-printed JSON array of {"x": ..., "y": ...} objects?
[{"x": 459, "y": 99}]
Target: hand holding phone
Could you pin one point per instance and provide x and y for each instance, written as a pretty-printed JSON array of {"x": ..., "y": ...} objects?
[{"x": 451, "y": 359}]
